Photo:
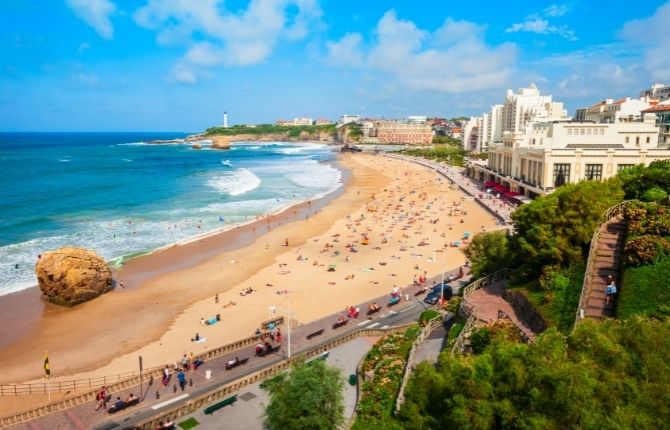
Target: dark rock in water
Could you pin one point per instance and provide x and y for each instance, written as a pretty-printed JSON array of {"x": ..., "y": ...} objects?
[{"x": 69, "y": 276}]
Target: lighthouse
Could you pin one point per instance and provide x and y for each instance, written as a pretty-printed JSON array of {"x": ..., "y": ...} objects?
[{"x": 225, "y": 120}]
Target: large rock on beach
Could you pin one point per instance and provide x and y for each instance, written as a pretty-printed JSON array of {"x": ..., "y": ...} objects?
[{"x": 69, "y": 276}]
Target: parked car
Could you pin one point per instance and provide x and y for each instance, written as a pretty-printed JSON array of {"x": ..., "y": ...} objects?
[{"x": 435, "y": 293}]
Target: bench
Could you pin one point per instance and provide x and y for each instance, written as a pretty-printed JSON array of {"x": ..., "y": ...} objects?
[
  {"x": 236, "y": 363},
  {"x": 275, "y": 321},
  {"x": 216, "y": 406},
  {"x": 126, "y": 405},
  {"x": 315, "y": 334},
  {"x": 340, "y": 324}
]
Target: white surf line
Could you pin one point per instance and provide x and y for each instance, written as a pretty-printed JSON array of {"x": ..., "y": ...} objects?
[
  {"x": 373, "y": 325},
  {"x": 362, "y": 323},
  {"x": 176, "y": 399}
]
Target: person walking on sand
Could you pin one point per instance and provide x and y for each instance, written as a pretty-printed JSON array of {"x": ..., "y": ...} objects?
[{"x": 286, "y": 243}]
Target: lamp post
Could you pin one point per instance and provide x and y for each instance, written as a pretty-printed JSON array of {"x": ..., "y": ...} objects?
[
  {"x": 442, "y": 284},
  {"x": 273, "y": 309}
]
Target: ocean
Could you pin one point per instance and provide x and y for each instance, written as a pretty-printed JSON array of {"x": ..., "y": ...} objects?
[{"x": 120, "y": 196}]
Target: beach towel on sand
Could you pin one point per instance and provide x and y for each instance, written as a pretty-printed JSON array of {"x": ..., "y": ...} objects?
[{"x": 201, "y": 340}]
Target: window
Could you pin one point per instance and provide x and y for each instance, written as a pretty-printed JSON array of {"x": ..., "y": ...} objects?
[
  {"x": 582, "y": 131},
  {"x": 569, "y": 132},
  {"x": 561, "y": 174},
  {"x": 602, "y": 131},
  {"x": 594, "y": 172},
  {"x": 621, "y": 167},
  {"x": 627, "y": 139},
  {"x": 588, "y": 131},
  {"x": 637, "y": 140},
  {"x": 647, "y": 139}
]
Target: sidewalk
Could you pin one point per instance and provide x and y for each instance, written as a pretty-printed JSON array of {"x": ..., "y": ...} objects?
[
  {"x": 247, "y": 412},
  {"x": 84, "y": 416}
]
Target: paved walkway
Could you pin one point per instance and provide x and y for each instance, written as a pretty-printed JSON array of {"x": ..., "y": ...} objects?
[
  {"x": 489, "y": 301},
  {"x": 247, "y": 413},
  {"x": 431, "y": 347}
]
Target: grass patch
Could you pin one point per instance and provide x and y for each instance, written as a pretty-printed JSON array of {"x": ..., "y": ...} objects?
[
  {"x": 189, "y": 423},
  {"x": 450, "y": 154},
  {"x": 557, "y": 305},
  {"x": 644, "y": 290},
  {"x": 455, "y": 330}
]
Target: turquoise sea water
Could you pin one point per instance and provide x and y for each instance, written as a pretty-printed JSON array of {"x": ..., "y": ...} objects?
[{"x": 117, "y": 195}]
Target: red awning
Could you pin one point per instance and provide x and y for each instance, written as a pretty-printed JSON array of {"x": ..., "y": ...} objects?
[
  {"x": 511, "y": 194},
  {"x": 489, "y": 184}
]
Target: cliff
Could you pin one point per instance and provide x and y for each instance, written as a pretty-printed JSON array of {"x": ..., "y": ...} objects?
[{"x": 224, "y": 142}]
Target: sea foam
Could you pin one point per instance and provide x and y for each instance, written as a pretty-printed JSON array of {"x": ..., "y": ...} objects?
[{"x": 236, "y": 182}]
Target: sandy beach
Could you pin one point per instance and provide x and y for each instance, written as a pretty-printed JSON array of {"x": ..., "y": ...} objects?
[{"x": 390, "y": 223}]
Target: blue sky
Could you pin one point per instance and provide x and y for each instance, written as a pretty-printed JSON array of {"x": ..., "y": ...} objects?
[{"x": 176, "y": 65}]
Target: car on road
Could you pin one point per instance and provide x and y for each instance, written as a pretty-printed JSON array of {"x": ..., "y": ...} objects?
[{"x": 435, "y": 293}]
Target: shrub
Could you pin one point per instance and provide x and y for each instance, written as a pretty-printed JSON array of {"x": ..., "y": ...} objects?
[
  {"x": 645, "y": 249},
  {"x": 479, "y": 339},
  {"x": 655, "y": 194}
]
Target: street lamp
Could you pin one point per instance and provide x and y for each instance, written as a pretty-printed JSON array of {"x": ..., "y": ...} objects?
[
  {"x": 274, "y": 309},
  {"x": 442, "y": 284}
]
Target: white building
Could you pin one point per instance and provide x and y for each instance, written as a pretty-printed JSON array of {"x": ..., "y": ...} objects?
[
  {"x": 347, "y": 119},
  {"x": 417, "y": 119},
  {"x": 302, "y": 121},
  {"x": 470, "y": 134},
  {"x": 526, "y": 106},
  {"x": 610, "y": 110},
  {"x": 657, "y": 91},
  {"x": 551, "y": 153}
]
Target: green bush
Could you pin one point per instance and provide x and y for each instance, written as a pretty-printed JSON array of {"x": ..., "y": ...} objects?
[
  {"x": 427, "y": 315},
  {"x": 645, "y": 249},
  {"x": 610, "y": 374},
  {"x": 644, "y": 290},
  {"x": 479, "y": 339},
  {"x": 655, "y": 194}
]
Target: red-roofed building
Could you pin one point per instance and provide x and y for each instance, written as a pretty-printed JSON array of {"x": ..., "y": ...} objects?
[
  {"x": 610, "y": 110},
  {"x": 662, "y": 111}
]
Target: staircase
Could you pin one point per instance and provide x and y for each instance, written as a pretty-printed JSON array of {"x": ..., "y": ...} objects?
[{"x": 608, "y": 253}]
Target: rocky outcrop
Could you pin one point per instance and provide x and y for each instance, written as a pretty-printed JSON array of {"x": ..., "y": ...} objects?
[
  {"x": 224, "y": 142},
  {"x": 69, "y": 276}
]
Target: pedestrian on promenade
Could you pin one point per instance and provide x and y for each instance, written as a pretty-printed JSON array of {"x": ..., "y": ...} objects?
[
  {"x": 181, "y": 377},
  {"x": 101, "y": 397},
  {"x": 166, "y": 375}
]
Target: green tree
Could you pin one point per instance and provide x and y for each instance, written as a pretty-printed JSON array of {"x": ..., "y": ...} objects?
[
  {"x": 309, "y": 397},
  {"x": 610, "y": 374},
  {"x": 556, "y": 229},
  {"x": 355, "y": 131},
  {"x": 489, "y": 252},
  {"x": 639, "y": 179}
]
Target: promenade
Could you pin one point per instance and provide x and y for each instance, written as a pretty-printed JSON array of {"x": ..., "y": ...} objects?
[{"x": 156, "y": 397}]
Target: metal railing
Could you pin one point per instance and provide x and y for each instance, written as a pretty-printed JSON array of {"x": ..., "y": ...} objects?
[
  {"x": 525, "y": 337},
  {"x": 226, "y": 389},
  {"x": 470, "y": 310},
  {"x": 120, "y": 380},
  {"x": 613, "y": 212}
]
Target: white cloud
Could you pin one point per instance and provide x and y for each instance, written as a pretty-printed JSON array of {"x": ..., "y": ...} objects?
[
  {"x": 652, "y": 36},
  {"x": 224, "y": 37},
  {"x": 95, "y": 13},
  {"x": 83, "y": 47},
  {"x": 539, "y": 24},
  {"x": 182, "y": 74},
  {"x": 454, "y": 58},
  {"x": 557, "y": 10},
  {"x": 535, "y": 24}
]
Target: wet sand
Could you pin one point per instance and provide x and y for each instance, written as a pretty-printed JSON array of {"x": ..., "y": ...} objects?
[{"x": 160, "y": 310}]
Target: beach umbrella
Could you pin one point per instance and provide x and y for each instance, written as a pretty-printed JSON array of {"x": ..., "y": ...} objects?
[{"x": 221, "y": 219}]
